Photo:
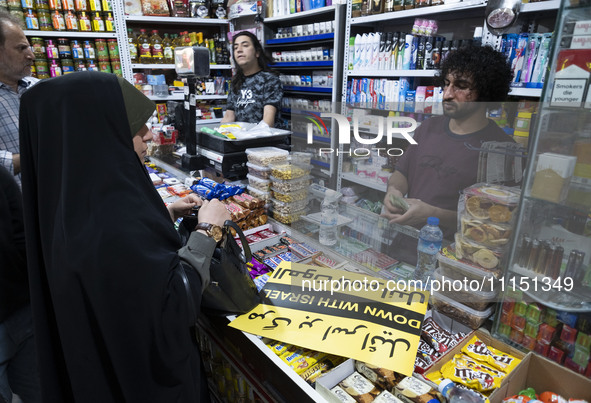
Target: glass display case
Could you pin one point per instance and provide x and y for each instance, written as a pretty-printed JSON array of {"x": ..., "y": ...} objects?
[{"x": 546, "y": 304}]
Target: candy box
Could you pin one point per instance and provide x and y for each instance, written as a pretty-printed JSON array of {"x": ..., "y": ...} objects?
[
  {"x": 490, "y": 202},
  {"x": 487, "y": 339}
]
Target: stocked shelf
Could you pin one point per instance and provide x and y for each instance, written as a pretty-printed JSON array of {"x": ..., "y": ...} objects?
[
  {"x": 391, "y": 73},
  {"x": 293, "y": 18},
  {"x": 181, "y": 97},
  {"x": 534, "y": 7},
  {"x": 445, "y": 10},
  {"x": 546, "y": 291},
  {"x": 172, "y": 66},
  {"x": 175, "y": 20},
  {"x": 321, "y": 63},
  {"x": 351, "y": 177},
  {"x": 303, "y": 136},
  {"x": 526, "y": 92},
  {"x": 300, "y": 39},
  {"x": 70, "y": 34},
  {"x": 307, "y": 89}
]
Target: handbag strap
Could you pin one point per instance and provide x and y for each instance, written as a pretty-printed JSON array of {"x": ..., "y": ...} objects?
[
  {"x": 245, "y": 255},
  {"x": 190, "y": 299}
]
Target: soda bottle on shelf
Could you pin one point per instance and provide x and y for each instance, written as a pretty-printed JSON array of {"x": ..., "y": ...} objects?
[
  {"x": 156, "y": 45},
  {"x": 143, "y": 43},
  {"x": 429, "y": 244},
  {"x": 132, "y": 45},
  {"x": 167, "y": 50},
  {"x": 455, "y": 394}
]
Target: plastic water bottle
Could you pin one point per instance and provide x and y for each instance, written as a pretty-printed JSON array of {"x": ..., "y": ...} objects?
[
  {"x": 429, "y": 244},
  {"x": 328, "y": 218},
  {"x": 454, "y": 394}
]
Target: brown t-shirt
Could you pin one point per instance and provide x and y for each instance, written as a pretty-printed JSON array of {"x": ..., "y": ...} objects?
[{"x": 440, "y": 165}]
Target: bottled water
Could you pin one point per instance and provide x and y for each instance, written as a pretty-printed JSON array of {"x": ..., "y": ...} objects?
[
  {"x": 328, "y": 218},
  {"x": 429, "y": 244},
  {"x": 454, "y": 394}
]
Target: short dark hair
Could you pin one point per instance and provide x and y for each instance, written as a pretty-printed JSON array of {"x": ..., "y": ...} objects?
[
  {"x": 488, "y": 68},
  {"x": 6, "y": 18}
]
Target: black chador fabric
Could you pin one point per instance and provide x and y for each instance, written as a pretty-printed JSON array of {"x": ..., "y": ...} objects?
[{"x": 111, "y": 316}]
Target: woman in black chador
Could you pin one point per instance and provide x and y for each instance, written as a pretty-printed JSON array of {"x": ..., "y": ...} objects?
[{"x": 112, "y": 320}]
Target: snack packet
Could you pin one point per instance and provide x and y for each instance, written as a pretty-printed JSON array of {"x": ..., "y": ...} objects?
[{"x": 476, "y": 349}]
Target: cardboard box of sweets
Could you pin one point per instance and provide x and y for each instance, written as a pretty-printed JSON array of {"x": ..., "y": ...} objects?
[{"x": 533, "y": 371}]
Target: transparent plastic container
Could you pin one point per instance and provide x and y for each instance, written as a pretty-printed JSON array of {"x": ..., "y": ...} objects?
[
  {"x": 288, "y": 218},
  {"x": 485, "y": 257},
  {"x": 460, "y": 312},
  {"x": 485, "y": 232},
  {"x": 290, "y": 185},
  {"x": 266, "y": 156},
  {"x": 491, "y": 202},
  {"x": 296, "y": 195},
  {"x": 290, "y": 170},
  {"x": 466, "y": 292},
  {"x": 263, "y": 185},
  {"x": 259, "y": 193},
  {"x": 302, "y": 158},
  {"x": 451, "y": 267},
  {"x": 258, "y": 170},
  {"x": 288, "y": 208}
]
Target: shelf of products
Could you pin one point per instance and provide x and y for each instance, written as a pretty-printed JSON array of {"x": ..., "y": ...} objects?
[
  {"x": 547, "y": 270},
  {"x": 351, "y": 177},
  {"x": 301, "y": 39},
  {"x": 317, "y": 12},
  {"x": 70, "y": 34},
  {"x": 172, "y": 66},
  {"x": 180, "y": 21}
]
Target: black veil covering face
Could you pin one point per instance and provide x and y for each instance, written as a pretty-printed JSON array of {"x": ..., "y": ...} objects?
[{"x": 111, "y": 316}]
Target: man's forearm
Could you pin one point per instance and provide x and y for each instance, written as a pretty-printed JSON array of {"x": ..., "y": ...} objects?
[
  {"x": 398, "y": 182},
  {"x": 447, "y": 218}
]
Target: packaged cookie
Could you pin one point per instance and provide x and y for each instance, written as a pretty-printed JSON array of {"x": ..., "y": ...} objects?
[
  {"x": 342, "y": 395},
  {"x": 490, "y": 202},
  {"x": 413, "y": 390},
  {"x": 384, "y": 378},
  {"x": 486, "y": 257},
  {"x": 485, "y": 232},
  {"x": 266, "y": 156},
  {"x": 359, "y": 387}
]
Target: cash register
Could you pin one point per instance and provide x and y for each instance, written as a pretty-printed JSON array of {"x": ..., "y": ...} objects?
[{"x": 206, "y": 148}]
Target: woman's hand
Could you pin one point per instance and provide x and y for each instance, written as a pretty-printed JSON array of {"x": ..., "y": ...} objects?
[
  {"x": 213, "y": 212},
  {"x": 183, "y": 206}
]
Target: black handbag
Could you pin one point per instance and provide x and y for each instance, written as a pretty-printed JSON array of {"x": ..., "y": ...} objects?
[{"x": 231, "y": 290}]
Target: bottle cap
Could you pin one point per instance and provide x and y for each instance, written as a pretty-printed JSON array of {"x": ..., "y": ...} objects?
[
  {"x": 446, "y": 382},
  {"x": 433, "y": 221}
]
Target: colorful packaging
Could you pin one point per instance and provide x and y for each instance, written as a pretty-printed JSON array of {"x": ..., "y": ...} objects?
[{"x": 476, "y": 349}]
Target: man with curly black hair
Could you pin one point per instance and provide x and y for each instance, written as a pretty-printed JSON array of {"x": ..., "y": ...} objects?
[{"x": 432, "y": 173}]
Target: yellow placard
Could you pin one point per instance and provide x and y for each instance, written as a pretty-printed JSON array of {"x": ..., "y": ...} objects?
[{"x": 341, "y": 313}]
